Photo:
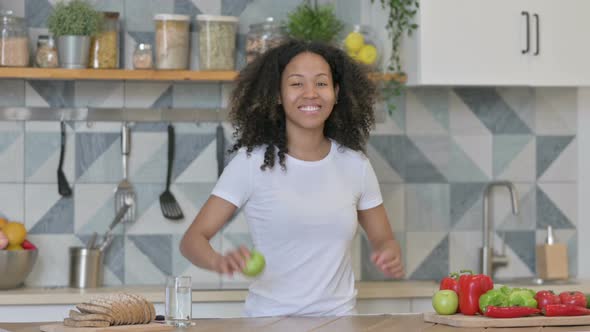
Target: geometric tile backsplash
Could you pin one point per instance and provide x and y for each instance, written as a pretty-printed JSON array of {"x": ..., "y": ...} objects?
[{"x": 433, "y": 158}]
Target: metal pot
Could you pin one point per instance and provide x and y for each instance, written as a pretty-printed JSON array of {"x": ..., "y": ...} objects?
[{"x": 73, "y": 51}]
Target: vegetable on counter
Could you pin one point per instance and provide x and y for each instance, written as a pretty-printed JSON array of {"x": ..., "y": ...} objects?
[
  {"x": 545, "y": 297},
  {"x": 510, "y": 312},
  {"x": 565, "y": 310},
  {"x": 507, "y": 297},
  {"x": 575, "y": 298},
  {"x": 451, "y": 282},
  {"x": 471, "y": 288}
]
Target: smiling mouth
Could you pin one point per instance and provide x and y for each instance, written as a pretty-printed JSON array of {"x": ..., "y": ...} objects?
[{"x": 309, "y": 108}]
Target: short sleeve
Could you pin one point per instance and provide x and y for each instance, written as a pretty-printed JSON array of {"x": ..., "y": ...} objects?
[
  {"x": 235, "y": 183},
  {"x": 371, "y": 193}
]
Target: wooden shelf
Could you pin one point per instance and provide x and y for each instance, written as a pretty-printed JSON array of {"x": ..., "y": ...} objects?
[
  {"x": 141, "y": 75},
  {"x": 116, "y": 74}
]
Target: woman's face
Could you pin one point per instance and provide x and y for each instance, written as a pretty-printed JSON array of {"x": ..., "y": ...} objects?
[{"x": 308, "y": 93}]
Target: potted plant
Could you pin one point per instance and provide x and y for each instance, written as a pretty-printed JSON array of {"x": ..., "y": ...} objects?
[
  {"x": 400, "y": 21},
  {"x": 313, "y": 23},
  {"x": 73, "y": 24}
]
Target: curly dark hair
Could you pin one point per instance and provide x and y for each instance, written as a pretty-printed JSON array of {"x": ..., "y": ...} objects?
[{"x": 259, "y": 120}]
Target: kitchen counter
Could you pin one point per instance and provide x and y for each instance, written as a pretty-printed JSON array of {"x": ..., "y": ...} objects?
[
  {"x": 375, "y": 323},
  {"x": 366, "y": 290}
]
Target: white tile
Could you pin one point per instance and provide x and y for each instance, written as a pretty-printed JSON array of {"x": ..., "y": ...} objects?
[
  {"x": 103, "y": 94},
  {"x": 565, "y": 197},
  {"x": 91, "y": 200},
  {"x": 12, "y": 159},
  {"x": 12, "y": 198},
  {"x": 52, "y": 266},
  {"x": 39, "y": 198},
  {"x": 139, "y": 270},
  {"x": 479, "y": 150},
  {"x": 462, "y": 120},
  {"x": 385, "y": 173},
  {"x": 419, "y": 120},
  {"x": 32, "y": 98},
  {"x": 556, "y": 111},
  {"x": 565, "y": 167},
  {"x": 394, "y": 203},
  {"x": 418, "y": 246},
  {"x": 523, "y": 166},
  {"x": 143, "y": 95},
  {"x": 464, "y": 250}
]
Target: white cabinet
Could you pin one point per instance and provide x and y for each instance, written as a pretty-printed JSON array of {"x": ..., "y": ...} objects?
[{"x": 499, "y": 42}]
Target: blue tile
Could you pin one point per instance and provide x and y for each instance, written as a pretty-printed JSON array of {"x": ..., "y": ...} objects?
[
  {"x": 548, "y": 150},
  {"x": 7, "y": 139},
  {"x": 89, "y": 147},
  {"x": 55, "y": 93},
  {"x": 145, "y": 37},
  {"x": 12, "y": 93},
  {"x": 462, "y": 167},
  {"x": 436, "y": 101},
  {"x": 523, "y": 245},
  {"x": 427, "y": 207},
  {"x": 418, "y": 168},
  {"x": 492, "y": 110},
  {"x": 187, "y": 7},
  {"x": 38, "y": 148},
  {"x": 197, "y": 95},
  {"x": 188, "y": 147},
  {"x": 392, "y": 149},
  {"x": 233, "y": 7},
  {"x": 59, "y": 219},
  {"x": 157, "y": 248},
  {"x": 550, "y": 215},
  {"x": 463, "y": 197},
  {"x": 37, "y": 12},
  {"x": 114, "y": 258},
  {"x": 436, "y": 265},
  {"x": 165, "y": 99},
  {"x": 139, "y": 14},
  {"x": 506, "y": 148}
]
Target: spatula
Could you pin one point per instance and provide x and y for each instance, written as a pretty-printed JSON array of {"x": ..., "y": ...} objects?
[
  {"x": 63, "y": 187},
  {"x": 168, "y": 204},
  {"x": 125, "y": 194}
]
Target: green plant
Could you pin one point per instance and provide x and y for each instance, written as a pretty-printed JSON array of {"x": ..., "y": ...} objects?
[
  {"x": 400, "y": 21},
  {"x": 77, "y": 18},
  {"x": 313, "y": 23}
]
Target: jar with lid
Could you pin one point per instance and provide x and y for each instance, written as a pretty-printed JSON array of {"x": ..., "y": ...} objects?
[
  {"x": 172, "y": 41},
  {"x": 361, "y": 44},
  {"x": 262, "y": 37},
  {"x": 142, "y": 56},
  {"x": 46, "y": 55},
  {"x": 14, "y": 40},
  {"x": 104, "y": 47},
  {"x": 217, "y": 42}
]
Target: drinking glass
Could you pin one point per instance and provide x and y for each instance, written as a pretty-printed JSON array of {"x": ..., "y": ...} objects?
[{"x": 178, "y": 301}]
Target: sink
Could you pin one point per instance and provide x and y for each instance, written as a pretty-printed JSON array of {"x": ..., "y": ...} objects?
[{"x": 533, "y": 281}]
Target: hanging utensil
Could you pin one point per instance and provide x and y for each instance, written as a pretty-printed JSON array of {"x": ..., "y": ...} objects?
[
  {"x": 63, "y": 187},
  {"x": 168, "y": 204},
  {"x": 107, "y": 238},
  {"x": 220, "y": 149},
  {"x": 125, "y": 191}
]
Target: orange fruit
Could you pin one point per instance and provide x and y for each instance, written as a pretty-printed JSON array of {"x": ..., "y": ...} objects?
[
  {"x": 15, "y": 232},
  {"x": 3, "y": 222},
  {"x": 14, "y": 247}
]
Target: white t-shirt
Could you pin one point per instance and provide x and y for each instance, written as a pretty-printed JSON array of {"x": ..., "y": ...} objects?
[{"x": 303, "y": 221}]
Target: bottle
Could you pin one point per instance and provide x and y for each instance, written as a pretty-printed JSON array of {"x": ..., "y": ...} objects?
[
  {"x": 14, "y": 40},
  {"x": 263, "y": 36},
  {"x": 46, "y": 55},
  {"x": 551, "y": 258},
  {"x": 142, "y": 56},
  {"x": 104, "y": 47}
]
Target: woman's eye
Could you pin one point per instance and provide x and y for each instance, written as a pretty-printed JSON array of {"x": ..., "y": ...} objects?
[
  {"x": 322, "y": 84},
  {"x": 296, "y": 84}
]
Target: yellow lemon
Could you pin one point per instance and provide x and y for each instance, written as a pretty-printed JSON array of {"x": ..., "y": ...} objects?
[
  {"x": 367, "y": 54},
  {"x": 15, "y": 232},
  {"x": 354, "y": 41},
  {"x": 14, "y": 247}
]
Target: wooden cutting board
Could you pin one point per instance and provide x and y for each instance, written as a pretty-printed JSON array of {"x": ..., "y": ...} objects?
[
  {"x": 153, "y": 327},
  {"x": 459, "y": 320}
]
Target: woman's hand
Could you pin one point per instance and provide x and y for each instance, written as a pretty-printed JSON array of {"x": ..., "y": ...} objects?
[
  {"x": 232, "y": 261},
  {"x": 389, "y": 260}
]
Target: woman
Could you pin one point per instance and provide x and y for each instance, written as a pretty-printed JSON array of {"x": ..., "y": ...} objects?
[{"x": 302, "y": 114}]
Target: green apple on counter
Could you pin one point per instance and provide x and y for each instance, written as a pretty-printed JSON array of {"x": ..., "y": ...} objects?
[
  {"x": 445, "y": 302},
  {"x": 255, "y": 264}
]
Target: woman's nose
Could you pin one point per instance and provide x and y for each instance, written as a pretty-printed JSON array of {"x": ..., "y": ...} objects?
[{"x": 310, "y": 92}]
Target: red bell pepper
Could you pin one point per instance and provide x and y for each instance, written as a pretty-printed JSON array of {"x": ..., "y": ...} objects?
[
  {"x": 471, "y": 287},
  {"x": 565, "y": 310},
  {"x": 510, "y": 312},
  {"x": 575, "y": 298},
  {"x": 546, "y": 297},
  {"x": 451, "y": 282}
]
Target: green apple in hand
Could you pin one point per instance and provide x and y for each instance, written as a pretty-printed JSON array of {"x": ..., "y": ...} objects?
[
  {"x": 445, "y": 302},
  {"x": 255, "y": 264}
]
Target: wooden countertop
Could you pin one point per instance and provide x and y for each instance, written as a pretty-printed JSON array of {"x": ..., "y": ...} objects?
[
  {"x": 211, "y": 292},
  {"x": 377, "y": 323},
  {"x": 201, "y": 293}
]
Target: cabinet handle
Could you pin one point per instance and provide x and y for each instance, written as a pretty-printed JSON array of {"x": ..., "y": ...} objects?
[
  {"x": 528, "y": 32},
  {"x": 537, "y": 24}
]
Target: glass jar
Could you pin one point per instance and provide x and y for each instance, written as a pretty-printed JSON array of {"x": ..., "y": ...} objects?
[
  {"x": 14, "y": 40},
  {"x": 46, "y": 55},
  {"x": 172, "y": 41},
  {"x": 262, "y": 37},
  {"x": 217, "y": 42},
  {"x": 142, "y": 56},
  {"x": 361, "y": 44},
  {"x": 104, "y": 47}
]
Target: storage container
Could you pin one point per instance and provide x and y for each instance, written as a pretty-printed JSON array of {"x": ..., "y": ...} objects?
[
  {"x": 46, "y": 55},
  {"x": 142, "y": 56},
  {"x": 14, "y": 40},
  {"x": 262, "y": 37},
  {"x": 361, "y": 44},
  {"x": 217, "y": 42},
  {"x": 172, "y": 41},
  {"x": 104, "y": 47}
]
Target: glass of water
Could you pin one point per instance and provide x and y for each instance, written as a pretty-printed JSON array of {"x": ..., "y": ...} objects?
[{"x": 178, "y": 301}]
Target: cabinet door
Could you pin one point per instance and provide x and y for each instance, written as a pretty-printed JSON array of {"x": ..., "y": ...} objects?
[
  {"x": 469, "y": 42},
  {"x": 563, "y": 57}
]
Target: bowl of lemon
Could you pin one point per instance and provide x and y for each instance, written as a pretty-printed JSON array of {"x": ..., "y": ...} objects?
[
  {"x": 17, "y": 254},
  {"x": 360, "y": 44}
]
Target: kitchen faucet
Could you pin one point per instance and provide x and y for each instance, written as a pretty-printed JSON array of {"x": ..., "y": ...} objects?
[{"x": 488, "y": 259}]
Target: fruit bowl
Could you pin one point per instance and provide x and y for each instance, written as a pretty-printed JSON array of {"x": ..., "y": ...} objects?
[{"x": 15, "y": 266}]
